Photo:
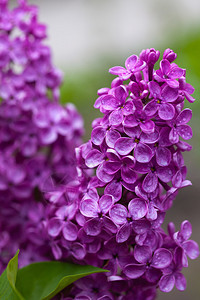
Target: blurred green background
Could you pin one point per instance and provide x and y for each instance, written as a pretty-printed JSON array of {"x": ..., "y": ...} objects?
[{"x": 90, "y": 36}]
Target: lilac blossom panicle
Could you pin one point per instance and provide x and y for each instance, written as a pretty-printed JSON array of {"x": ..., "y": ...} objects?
[
  {"x": 130, "y": 172},
  {"x": 37, "y": 135}
]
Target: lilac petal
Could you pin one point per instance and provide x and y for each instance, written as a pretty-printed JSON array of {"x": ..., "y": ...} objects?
[
  {"x": 176, "y": 72},
  {"x": 184, "y": 117},
  {"x": 129, "y": 186},
  {"x": 111, "y": 137},
  {"x": 105, "y": 297},
  {"x": 137, "y": 208},
  {"x": 154, "y": 89},
  {"x": 128, "y": 161},
  {"x": 133, "y": 132},
  {"x": 165, "y": 66},
  {"x": 153, "y": 275},
  {"x": 54, "y": 227},
  {"x": 103, "y": 91},
  {"x": 109, "y": 225},
  {"x": 109, "y": 102},
  {"x": 166, "y": 111},
  {"x": 105, "y": 203},
  {"x": 130, "y": 62},
  {"x": 169, "y": 94},
  {"x": 142, "y": 254},
  {"x": 41, "y": 120},
  {"x": 141, "y": 226},
  {"x": 118, "y": 214},
  {"x": 164, "y": 134},
  {"x": 184, "y": 260},
  {"x": 93, "y": 227},
  {"x": 66, "y": 211},
  {"x": 171, "y": 229},
  {"x": 149, "y": 138},
  {"x": 116, "y": 117},
  {"x": 189, "y": 98},
  {"x": 185, "y": 131},
  {"x": 165, "y": 174},
  {"x": 143, "y": 153},
  {"x": 123, "y": 233},
  {"x": 89, "y": 208},
  {"x": 117, "y": 70},
  {"x": 141, "y": 168},
  {"x": 180, "y": 281},
  {"x": 57, "y": 252},
  {"x": 94, "y": 246},
  {"x": 186, "y": 183},
  {"x": 94, "y": 158},
  {"x": 178, "y": 254},
  {"x": 16, "y": 175},
  {"x": 147, "y": 126},
  {"x": 161, "y": 258},
  {"x": 163, "y": 156},
  {"x": 191, "y": 248},
  {"x": 177, "y": 179},
  {"x": 184, "y": 146},
  {"x": 134, "y": 271},
  {"x": 78, "y": 251},
  {"x": 102, "y": 175},
  {"x": 111, "y": 167},
  {"x": 151, "y": 108},
  {"x": 128, "y": 108},
  {"x": 189, "y": 88},
  {"x": 128, "y": 175},
  {"x": 48, "y": 135},
  {"x": 172, "y": 83},
  {"x": 97, "y": 103},
  {"x": 114, "y": 188},
  {"x": 166, "y": 283},
  {"x": 150, "y": 182},
  {"x": 98, "y": 135},
  {"x": 152, "y": 213},
  {"x": 124, "y": 145},
  {"x": 63, "y": 127},
  {"x": 130, "y": 121},
  {"x": 70, "y": 231},
  {"x": 121, "y": 94},
  {"x": 173, "y": 136},
  {"x": 140, "y": 65},
  {"x": 113, "y": 155},
  {"x": 186, "y": 230}
]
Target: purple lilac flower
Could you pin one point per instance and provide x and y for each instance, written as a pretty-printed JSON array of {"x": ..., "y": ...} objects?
[
  {"x": 37, "y": 140},
  {"x": 136, "y": 154}
]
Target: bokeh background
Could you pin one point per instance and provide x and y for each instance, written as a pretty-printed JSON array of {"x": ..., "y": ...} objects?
[{"x": 90, "y": 36}]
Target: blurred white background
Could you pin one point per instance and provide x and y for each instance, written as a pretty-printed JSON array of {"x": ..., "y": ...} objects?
[{"x": 83, "y": 31}]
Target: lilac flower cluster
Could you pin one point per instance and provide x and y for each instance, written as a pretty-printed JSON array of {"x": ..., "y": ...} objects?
[
  {"x": 112, "y": 198},
  {"x": 37, "y": 135},
  {"x": 130, "y": 173}
]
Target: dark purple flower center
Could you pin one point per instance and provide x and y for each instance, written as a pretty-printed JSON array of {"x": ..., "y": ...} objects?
[
  {"x": 136, "y": 140},
  {"x": 100, "y": 215},
  {"x": 95, "y": 290}
]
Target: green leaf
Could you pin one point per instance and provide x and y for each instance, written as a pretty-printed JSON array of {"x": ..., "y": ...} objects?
[
  {"x": 46, "y": 279},
  {"x": 8, "y": 289},
  {"x": 40, "y": 281}
]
